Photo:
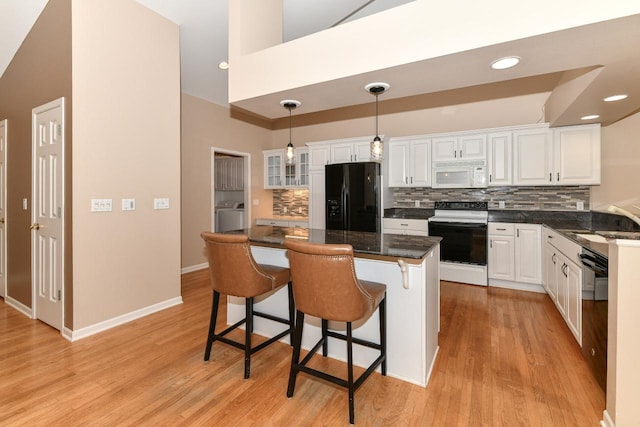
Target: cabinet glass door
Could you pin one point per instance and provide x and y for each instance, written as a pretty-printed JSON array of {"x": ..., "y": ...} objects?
[{"x": 273, "y": 170}]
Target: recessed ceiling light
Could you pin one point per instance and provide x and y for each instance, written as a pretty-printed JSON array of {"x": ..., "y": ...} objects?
[
  {"x": 224, "y": 65},
  {"x": 589, "y": 117},
  {"x": 506, "y": 62},
  {"x": 615, "y": 97}
]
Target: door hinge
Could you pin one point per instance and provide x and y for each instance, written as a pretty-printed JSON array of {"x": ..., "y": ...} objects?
[{"x": 59, "y": 294}]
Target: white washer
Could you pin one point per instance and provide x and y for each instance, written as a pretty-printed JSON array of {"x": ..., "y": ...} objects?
[{"x": 230, "y": 219}]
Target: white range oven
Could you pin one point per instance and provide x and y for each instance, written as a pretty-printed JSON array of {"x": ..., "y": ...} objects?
[{"x": 463, "y": 249}]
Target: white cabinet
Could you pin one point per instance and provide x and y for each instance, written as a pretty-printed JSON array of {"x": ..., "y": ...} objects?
[
  {"x": 499, "y": 158},
  {"x": 273, "y": 168},
  {"x": 229, "y": 173},
  {"x": 532, "y": 156},
  {"x": 562, "y": 156},
  {"x": 457, "y": 147},
  {"x": 317, "y": 196},
  {"x": 283, "y": 222},
  {"x": 352, "y": 150},
  {"x": 297, "y": 174},
  {"x": 319, "y": 156},
  {"x": 577, "y": 155},
  {"x": 514, "y": 255},
  {"x": 563, "y": 279},
  {"x": 409, "y": 162},
  {"x": 528, "y": 250},
  {"x": 412, "y": 227},
  {"x": 501, "y": 254},
  {"x": 277, "y": 174}
]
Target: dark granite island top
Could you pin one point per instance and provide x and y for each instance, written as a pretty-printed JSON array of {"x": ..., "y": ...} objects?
[{"x": 365, "y": 244}]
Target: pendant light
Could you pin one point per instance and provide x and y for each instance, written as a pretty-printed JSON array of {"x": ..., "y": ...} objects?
[
  {"x": 377, "y": 145},
  {"x": 290, "y": 104}
]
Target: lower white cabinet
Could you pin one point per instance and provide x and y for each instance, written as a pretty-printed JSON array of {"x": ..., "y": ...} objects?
[
  {"x": 563, "y": 279},
  {"x": 413, "y": 227},
  {"x": 283, "y": 222},
  {"x": 501, "y": 255},
  {"x": 514, "y": 255}
]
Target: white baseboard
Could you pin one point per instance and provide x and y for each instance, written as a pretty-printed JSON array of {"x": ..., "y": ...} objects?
[
  {"x": 119, "y": 320},
  {"x": 193, "y": 268},
  {"x": 519, "y": 286},
  {"x": 19, "y": 306},
  {"x": 606, "y": 420}
]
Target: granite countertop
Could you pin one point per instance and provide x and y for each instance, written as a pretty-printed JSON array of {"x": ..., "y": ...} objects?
[{"x": 365, "y": 244}]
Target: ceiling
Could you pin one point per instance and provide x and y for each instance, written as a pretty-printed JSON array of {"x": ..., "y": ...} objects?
[{"x": 603, "y": 55}]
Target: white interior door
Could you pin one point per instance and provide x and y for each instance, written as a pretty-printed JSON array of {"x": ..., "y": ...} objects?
[
  {"x": 46, "y": 206},
  {"x": 3, "y": 208}
]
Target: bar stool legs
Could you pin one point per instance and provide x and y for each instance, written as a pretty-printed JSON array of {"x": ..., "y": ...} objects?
[
  {"x": 248, "y": 321},
  {"x": 351, "y": 384}
]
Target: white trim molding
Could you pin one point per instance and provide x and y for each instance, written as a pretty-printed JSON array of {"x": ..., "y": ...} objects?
[
  {"x": 193, "y": 268},
  {"x": 119, "y": 320},
  {"x": 606, "y": 420},
  {"x": 19, "y": 306}
]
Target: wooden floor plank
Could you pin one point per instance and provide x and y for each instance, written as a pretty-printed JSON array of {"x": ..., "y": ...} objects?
[{"x": 506, "y": 358}]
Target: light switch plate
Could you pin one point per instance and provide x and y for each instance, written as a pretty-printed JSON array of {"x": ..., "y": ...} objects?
[
  {"x": 580, "y": 206},
  {"x": 501, "y": 204},
  {"x": 128, "y": 204},
  {"x": 161, "y": 203},
  {"x": 101, "y": 205}
]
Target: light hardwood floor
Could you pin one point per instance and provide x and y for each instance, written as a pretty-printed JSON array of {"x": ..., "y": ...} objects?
[{"x": 506, "y": 359}]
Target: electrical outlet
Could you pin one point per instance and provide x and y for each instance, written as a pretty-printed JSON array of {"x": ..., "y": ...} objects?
[
  {"x": 501, "y": 204},
  {"x": 300, "y": 210},
  {"x": 285, "y": 209},
  {"x": 417, "y": 203},
  {"x": 580, "y": 206}
]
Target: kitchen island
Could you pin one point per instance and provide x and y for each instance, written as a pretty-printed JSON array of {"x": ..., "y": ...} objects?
[{"x": 408, "y": 265}]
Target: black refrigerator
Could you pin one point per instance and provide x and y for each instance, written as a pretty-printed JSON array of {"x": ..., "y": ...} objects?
[{"x": 353, "y": 196}]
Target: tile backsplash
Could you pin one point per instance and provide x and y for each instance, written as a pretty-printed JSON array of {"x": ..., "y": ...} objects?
[
  {"x": 293, "y": 202},
  {"x": 520, "y": 198}
]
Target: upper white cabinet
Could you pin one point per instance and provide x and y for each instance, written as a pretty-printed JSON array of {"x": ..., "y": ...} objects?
[
  {"x": 351, "y": 151},
  {"x": 532, "y": 156},
  {"x": 409, "y": 162},
  {"x": 499, "y": 146},
  {"x": 339, "y": 151},
  {"x": 319, "y": 156},
  {"x": 560, "y": 156},
  {"x": 297, "y": 174},
  {"x": 457, "y": 147},
  {"x": 273, "y": 168},
  {"x": 229, "y": 173},
  {"x": 277, "y": 174},
  {"x": 577, "y": 155}
]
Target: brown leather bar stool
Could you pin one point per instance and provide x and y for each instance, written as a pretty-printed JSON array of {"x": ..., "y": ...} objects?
[
  {"x": 234, "y": 272},
  {"x": 325, "y": 286}
]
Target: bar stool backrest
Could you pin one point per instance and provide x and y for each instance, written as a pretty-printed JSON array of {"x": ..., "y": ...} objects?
[
  {"x": 232, "y": 267},
  {"x": 324, "y": 281}
]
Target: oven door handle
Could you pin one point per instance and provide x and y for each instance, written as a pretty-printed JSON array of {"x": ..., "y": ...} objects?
[{"x": 459, "y": 224}]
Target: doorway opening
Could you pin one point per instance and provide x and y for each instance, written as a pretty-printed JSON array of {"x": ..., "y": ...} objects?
[{"x": 230, "y": 189}]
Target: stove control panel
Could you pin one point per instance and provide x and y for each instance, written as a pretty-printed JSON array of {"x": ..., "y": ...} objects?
[{"x": 462, "y": 206}]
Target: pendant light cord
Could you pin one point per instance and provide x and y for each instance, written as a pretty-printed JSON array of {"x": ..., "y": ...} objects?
[
  {"x": 289, "y": 108},
  {"x": 376, "y": 114}
]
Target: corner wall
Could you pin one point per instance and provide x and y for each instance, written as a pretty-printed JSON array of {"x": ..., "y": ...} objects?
[
  {"x": 620, "y": 166},
  {"x": 126, "y": 144},
  {"x": 39, "y": 72}
]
